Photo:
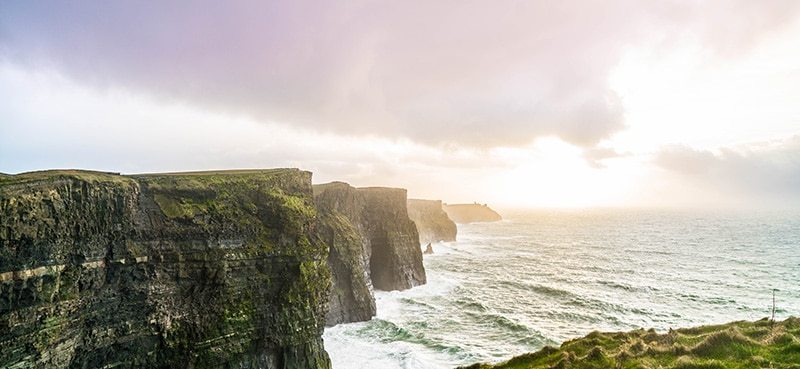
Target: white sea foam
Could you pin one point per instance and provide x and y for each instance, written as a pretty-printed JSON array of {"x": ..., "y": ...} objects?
[{"x": 511, "y": 287}]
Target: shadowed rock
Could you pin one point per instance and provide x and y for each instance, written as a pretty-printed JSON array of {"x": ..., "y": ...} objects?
[
  {"x": 342, "y": 227},
  {"x": 373, "y": 244}
]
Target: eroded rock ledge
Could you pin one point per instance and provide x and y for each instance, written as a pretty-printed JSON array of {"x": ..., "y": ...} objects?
[
  {"x": 373, "y": 243},
  {"x": 432, "y": 222},
  {"x": 191, "y": 270}
]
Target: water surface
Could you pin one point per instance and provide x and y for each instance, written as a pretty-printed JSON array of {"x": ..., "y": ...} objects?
[{"x": 539, "y": 278}]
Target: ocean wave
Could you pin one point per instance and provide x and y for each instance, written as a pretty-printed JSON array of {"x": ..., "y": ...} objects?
[
  {"x": 512, "y": 287},
  {"x": 385, "y": 331}
]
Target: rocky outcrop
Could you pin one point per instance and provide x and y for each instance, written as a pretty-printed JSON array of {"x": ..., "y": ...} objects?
[
  {"x": 373, "y": 244},
  {"x": 432, "y": 222},
  {"x": 470, "y": 213},
  {"x": 192, "y": 270}
]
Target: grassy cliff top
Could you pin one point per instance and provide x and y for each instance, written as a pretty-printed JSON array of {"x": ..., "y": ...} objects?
[
  {"x": 759, "y": 344},
  {"x": 49, "y": 175},
  {"x": 98, "y": 176},
  {"x": 227, "y": 172}
]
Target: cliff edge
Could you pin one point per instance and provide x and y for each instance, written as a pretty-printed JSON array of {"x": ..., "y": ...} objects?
[
  {"x": 373, "y": 243},
  {"x": 187, "y": 270},
  {"x": 470, "y": 213},
  {"x": 432, "y": 221}
]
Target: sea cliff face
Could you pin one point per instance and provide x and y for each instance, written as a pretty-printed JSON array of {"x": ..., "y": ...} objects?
[
  {"x": 470, "y": 213},
  {"x": 432, "y": 222},
  {"x": 192, "y": 270},
  {"x": 341, "y": 226},
  {"x": 396, "y": 259},
  {"x": 373, "y": 243}
]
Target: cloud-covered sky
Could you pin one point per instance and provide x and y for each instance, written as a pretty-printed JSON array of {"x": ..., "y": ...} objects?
[{"x": 448, "y": 98}]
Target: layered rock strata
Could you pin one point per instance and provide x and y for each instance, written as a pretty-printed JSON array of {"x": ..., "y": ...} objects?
[
  {"x": 373, "y": 243},
  {"x": 191, "y": 270}
]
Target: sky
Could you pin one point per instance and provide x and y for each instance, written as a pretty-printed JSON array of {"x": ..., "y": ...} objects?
[{"x": 512, "y": 103}]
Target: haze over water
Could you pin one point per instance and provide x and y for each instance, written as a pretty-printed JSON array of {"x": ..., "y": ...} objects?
[{"x": 540, "y": 278}]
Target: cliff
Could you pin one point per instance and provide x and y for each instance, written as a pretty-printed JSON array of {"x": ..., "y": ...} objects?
[
  {"x": 373, "y": 244},
  {"x": 760, "y": 344},
  {"x": 470, "y": 213},
  {"x": 432, "y": 222},
  {"x": 396, "y": 259},
  {"x": 341, "y": 225},
  {"x": 192, "y": 270}
]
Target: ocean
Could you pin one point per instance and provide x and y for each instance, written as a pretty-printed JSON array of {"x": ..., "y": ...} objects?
[{"x": 540, "y": 278}]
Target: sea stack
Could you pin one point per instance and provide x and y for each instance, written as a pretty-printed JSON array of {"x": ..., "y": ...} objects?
[
  {"x": 470, "y": 213},
  {"x": 432, "y": 222}
]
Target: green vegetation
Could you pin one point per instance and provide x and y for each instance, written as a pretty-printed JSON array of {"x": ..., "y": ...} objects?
[
  {"x": 205, "y": 270},
  {"x": 737, "y": 345},
  {"x": 50, "y": 175}
]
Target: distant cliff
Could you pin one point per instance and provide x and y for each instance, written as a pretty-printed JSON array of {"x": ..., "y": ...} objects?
[
  {"x": 432, "y": 222},
  {"x": 191, "y": 270},
  {"x": 373, "y": 243},
  {"x": 469, "y": 213}
]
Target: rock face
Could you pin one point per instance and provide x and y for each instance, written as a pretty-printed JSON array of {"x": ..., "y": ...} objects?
[
  {"x": 373, "y": 244},
  {"x": 192, "y": 270},
  {"x": 396, "y": 259},
  {"x": 432, "y": 222},
  {"x": 470, "y": 213},
  {"x": 341, "y": 225}
]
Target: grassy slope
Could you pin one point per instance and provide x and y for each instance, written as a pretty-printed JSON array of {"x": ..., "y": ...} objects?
[{"x": 760, "y": 344}]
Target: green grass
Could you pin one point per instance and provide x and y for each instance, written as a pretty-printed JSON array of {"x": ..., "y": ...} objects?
[
  {"x": 736, "y": 345},
  {"x": 48, "y": 175}
]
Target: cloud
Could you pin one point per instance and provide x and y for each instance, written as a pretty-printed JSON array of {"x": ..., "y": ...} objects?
[
  {"x": 468, "y": 73},
  {"x": 596, "y": 156},
  {"x": 766, "y": 173},
  {"x": 118, "y": 131}
]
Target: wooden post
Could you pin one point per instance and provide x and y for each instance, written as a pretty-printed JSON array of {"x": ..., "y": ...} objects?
[{"x": 773, "y": 305}]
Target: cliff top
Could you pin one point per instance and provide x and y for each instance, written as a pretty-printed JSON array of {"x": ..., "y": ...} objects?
[
  {"x": 468, "y": 213},
  {"x": 474, "y": 205},
  {"x": 330, "y": 185},
  {"x": 759, "y": 344},
  {"x": 424, "y": 202},
  {"x": 84, "y": 175},
  {"x": 341, "y": 185},
  {"x": 95, "y": 176},
  {"x": 224, "y": 172}
]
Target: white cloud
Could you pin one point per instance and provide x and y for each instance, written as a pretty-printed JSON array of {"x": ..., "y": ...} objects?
[{"x": 476, "y": 73}]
